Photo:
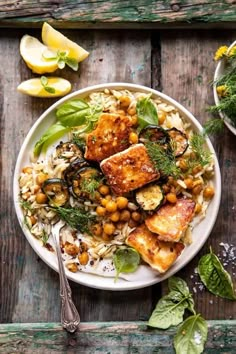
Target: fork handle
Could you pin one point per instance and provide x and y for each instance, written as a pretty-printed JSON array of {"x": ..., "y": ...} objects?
[{"x": 70, "y": 318}]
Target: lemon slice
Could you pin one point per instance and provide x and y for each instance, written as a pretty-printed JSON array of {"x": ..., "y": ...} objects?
[
  {"x": 32, "y": 50},
  {"x": 55, "y": 87},
  {"x": 57, "y": 41}
]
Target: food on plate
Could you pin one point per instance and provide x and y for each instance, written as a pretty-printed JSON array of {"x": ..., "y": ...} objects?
[
  {"x": 55, "y": 52},
  {"x": 45, "y": 87},
  {"x": 158, "y": 254},
  {"x": 129, "y": 176}
]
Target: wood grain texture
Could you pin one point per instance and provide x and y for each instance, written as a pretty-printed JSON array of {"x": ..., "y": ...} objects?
[
  {"x": 108, "y": 337},
  {"x": 187, "y": 69},
  {"x": 97, "y": 14}
]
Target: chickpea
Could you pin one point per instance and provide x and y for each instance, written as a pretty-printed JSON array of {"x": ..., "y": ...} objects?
[
  {"x": 197, "y": 189},
  {"x": 104, "y": 190},
  {"x": 115, "y": 216},
  {"x": 71, "y": 249},
  {"x": 108, "y": 197},
  {"x": 171, "y": 197},
  {"x": 106, "y": 237},
  {"x": 133, "y": 138},
  {"x": 101, "y": 211},
  {"x": 111, "y": 206},
  {"x": 72, "y": 267},
  {"x": 188, "y": 182},
  {"x": 198, "y": 208},
  {"x": 183, "y": 165},
  {"x": 97, "y": 229},
  {"x": 122, "y": 202},
  {"x": 33, "y": 220},
  {"x": 83, "y": 258},
  {"x": 136, "y": 216},
  {"x": 104, "y": 202},
  {"x": 131, "y": 111},
  {"x": 27, "y": 170},
  {"x": 109, "y": 228},
  {"x": 41, "y": 198},
  {"x": 125, "y": 101},
  {"x": 134, "y": 120},
  {"x": 208, "y": 192},
  {"x": 161, "y": 116},
  {"x": 41, "y": 177},
  {"x": 125, "y": 215},
  {"x": 197, "y": 169}
]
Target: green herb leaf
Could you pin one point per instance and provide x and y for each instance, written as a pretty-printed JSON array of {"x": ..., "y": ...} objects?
[
  {"x": 214, "y": 126},
  {"x": 61, "y": 64},
  {"x": 44, "y": 80},
  {"x": 72, "y": 63},
  {"x": 44, "y": 237},
  {"x": 191, "y": 336},
  {"x": 52, "y": 134},
  {"x": 73, "y": 113},
  {"x": 162, "y": 159},
  {"x": 170, "y": 308},
  {"x": 126, "y": 260},
  {"x": 216, "y": 279},
  {"x": 146, "y": 112},
  {"x": 77, "y": 218},
  {"x": 197, "y": 144},
  {"x": 49, "y": 89}
]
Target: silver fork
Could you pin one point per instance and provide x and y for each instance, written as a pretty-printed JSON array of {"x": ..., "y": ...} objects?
[{"x": 70, "y": 317}]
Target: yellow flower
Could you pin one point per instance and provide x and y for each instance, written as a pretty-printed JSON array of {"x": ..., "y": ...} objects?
[
  {"x": 232, "y": 52},
  {"x": 220, "y": 52},
  {"x": 222, "y": 90}
]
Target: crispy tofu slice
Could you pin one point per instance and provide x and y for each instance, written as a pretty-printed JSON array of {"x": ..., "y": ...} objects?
[
  {"x": 129, "y": 169},
  {"x": 110, "y": 136},
  {"x": 172, "y": 220},
  {"x": 158, "y": 254}
]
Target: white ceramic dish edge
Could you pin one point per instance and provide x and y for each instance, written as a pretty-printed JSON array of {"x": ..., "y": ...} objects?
[{"x": 205, "y": 227}]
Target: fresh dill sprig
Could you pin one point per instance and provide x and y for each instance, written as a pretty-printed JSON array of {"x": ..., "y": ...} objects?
[
  {"x": 213, "y": 126},
  {"x": 25, "y": 205},
  {"x": 227, "y": 105},
  {"x": 163, "y": 160},
  {"x": 44, "y": 237},
  {"x": 77, "y": 218},
  {"x": 202, "y": 155},
  {"x": 90, "y": 185},
  {"x": 78, "y": 140}
]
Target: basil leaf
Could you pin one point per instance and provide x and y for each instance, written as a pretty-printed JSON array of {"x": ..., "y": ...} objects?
[
  {"x": 49, "y": 89},
  {"x": 216, "y": 279},
  {"x": 126, "y": 260},
  {"x": 191, "y": 336},
  {"x": 146, "y": 112},
  {"x": 178, "y": 284},
  {"x": 52, "y": 134},
  {"x": 169, "y": 311},
  {"x": 73, "y": 113}
]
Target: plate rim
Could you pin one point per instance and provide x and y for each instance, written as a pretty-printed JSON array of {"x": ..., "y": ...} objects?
[{"x": 125, "y": 285}]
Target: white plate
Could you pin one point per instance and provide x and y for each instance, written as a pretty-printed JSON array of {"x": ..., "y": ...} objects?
[
  {"x": 218, "y": 73},
  {"x": 200, "y": 232}
]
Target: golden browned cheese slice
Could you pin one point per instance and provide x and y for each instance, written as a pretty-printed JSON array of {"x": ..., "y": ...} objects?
[
  {"x": 110, "y": 136},
  {"x": 171, "y": 220},
  {"x": 158, "y": 254},
  {"x": 129, "y": 169}
]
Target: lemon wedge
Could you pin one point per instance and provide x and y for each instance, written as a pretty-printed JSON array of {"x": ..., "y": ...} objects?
[
  {"x": 57, "y": 41},
  {"x": 53, "y": 87},
  {"x": 32, "y": 51}
]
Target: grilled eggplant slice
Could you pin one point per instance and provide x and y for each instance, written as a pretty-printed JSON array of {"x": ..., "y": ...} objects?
[
  {"x": 155, "y": 134},
  {"x": 180, "y": 141},
  {"x": 56, "y": 191},
  {"x": 63, "y": 149},
  {"x": 85, "y": 182},
  {"x": 73, "y": 168},
  {"x": 150, "y": 197}
]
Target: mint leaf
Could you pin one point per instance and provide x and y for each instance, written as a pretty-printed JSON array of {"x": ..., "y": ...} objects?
[
  {"x": 72, "y": 63},
  {"x": 216, "y": 279},
  {"x": 49, "y": 89},
  {"x": 44, "y": 80},
  {"x": 191, "y": 336},
  {"x": 146, "y": 112}
]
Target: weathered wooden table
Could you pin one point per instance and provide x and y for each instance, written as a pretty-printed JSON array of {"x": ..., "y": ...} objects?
[{"x": 164, "y": 45}]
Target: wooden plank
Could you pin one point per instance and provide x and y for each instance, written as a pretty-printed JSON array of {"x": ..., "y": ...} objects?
[
  {"x": 193, "y": 53},
  {"x": 115, "y": 56},
  {"x": 107, "y": 337},
  {"x": 103, "y": 14}
]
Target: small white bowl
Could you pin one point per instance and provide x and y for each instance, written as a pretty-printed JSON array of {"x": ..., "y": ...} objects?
[{"x": 218, "y": 73}]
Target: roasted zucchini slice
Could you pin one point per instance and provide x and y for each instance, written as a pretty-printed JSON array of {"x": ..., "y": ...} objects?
[
  {"x": 155, "y": 134},
  {"x": 86, "y": 182},
  {"x": 56, "y": 191},
  {"x": 179, "y": 141},
  {"x": 150, "y": 197}
]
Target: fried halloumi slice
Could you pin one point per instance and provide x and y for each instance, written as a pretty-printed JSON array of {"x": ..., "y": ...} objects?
[
  {"x": 129, "y": 169},
  {"x": 171, "y": 220},
  {"x": 110, "y": 136},
  {"x": 158, "y": 254}
]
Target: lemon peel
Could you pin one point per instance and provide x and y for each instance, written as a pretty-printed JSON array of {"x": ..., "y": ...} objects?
[
  {"x": 34, "y": 87},
  {"x": 57, "y": 41}
]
